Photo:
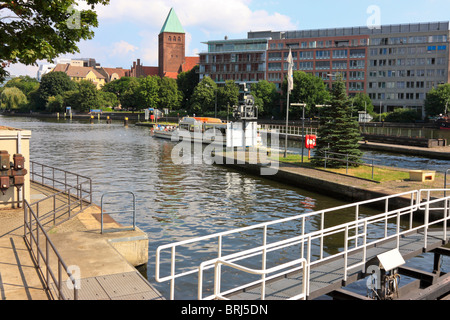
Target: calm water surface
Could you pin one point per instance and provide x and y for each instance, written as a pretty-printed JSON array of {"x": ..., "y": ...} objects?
[{"x": 174, "y": 202}]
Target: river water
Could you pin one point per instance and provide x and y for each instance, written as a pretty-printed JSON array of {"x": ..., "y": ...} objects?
[{"x": 174, "y": 202}]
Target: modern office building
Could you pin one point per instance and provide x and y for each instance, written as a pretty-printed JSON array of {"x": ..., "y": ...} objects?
[{"x": 396, "y": 65}]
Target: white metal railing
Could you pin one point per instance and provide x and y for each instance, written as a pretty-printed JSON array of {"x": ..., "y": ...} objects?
[
  {"x": 291, "y": 130},
  {"x": 355, "y": 238}
]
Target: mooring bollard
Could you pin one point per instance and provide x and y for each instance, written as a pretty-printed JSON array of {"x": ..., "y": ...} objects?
[
  {"x": 108, "y": 120},
  {"x": 125, "y": 121},
  {"x": 92, "y": 119}
]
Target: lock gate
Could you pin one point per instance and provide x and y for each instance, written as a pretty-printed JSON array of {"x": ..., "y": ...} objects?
[{"x": 421, "y": 226}]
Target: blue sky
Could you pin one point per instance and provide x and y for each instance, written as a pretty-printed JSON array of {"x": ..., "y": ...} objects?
[{"x": 128, "y": 29}]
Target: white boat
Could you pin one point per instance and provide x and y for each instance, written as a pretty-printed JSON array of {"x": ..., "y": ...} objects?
[
  {"x": 197, "y": 129},
  {"x": 210, "y": 131}
]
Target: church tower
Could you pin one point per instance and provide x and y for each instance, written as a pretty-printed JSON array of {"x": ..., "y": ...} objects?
[{"x": 171, "y": 46}]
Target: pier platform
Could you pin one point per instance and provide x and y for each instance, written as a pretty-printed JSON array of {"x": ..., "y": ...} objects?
[{"x": 106, "y": 262}]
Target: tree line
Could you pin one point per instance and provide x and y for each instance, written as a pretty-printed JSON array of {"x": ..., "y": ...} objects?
[{"x": 188, "y": 95}]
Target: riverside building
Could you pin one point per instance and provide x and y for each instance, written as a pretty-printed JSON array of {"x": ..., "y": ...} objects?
[{"x": 396, "y": 65}]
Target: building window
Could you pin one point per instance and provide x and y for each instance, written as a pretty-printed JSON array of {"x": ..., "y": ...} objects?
[
  {"x": 339, "y": 54},
  {"x": 323, "y": 54},
  {"x": 321, "y": 65}
]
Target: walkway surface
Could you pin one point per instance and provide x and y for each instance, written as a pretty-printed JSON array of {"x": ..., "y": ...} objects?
[{"x": 104, "y": 273}]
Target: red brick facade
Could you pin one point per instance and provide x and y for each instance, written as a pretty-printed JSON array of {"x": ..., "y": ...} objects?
[{"x": 171, "y": 53}]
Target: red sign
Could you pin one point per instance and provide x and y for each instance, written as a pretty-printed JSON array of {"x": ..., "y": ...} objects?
[{"x": 310, "y": 141}]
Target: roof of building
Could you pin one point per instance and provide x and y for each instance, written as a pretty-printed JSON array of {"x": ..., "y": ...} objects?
[
  {"x": 150, "y": 71},
  {"x": 172, "y": 23},
  {"x": 80, "y": 72},
  {"x": 190, "y": 63},
  {"x": 120, "y": 72},
  {"x": 173, "y": 75}
]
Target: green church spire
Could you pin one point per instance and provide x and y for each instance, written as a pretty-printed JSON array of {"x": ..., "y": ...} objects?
[{"x": 172, "y": 24}]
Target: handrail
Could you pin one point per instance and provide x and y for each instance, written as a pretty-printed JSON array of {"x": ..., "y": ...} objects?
[
  {"x": 66, "y": 179},
  {"x": 262, "y": 272},
  {"x": 30, "y": 219},
  {"x": 303, "y": 218},
  {"x": 446, "y": 180},
  {"x": 34, "y": 218},
  {"x": 352, "y": 237},
  {"x": 76, "y": 194}
]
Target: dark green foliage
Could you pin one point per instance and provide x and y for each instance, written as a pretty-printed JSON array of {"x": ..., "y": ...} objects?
[
  {"x": 308, "y": 89},
  {"x": 42, "y": 30},
  {"x": 266, "y": 97},
  {"x": 52, "y": 84},
  {"x": 187, "y": 81},
  {"x": 339, "y": 131},
  {"x": 403, "y": 115},
  {"x": 437, "y": 99}
]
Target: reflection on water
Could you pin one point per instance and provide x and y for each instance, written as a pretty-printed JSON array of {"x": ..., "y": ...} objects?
[{"x": 174, "y": 202}]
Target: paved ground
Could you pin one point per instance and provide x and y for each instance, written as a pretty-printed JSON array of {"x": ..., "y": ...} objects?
[{"x": 80, "y": 244}]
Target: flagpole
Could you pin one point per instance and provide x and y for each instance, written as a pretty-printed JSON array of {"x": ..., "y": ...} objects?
[
  {"x": 289, "y": 88},
  {"x": 287, "y": 121}
]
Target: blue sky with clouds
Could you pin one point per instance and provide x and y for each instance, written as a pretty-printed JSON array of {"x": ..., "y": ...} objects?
[{"x": 128, "y": 29}]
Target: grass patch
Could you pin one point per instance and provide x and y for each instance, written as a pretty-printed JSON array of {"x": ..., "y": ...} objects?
[{"x": 379, "y": 174}]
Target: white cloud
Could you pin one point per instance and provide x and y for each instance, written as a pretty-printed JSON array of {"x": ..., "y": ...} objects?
[{"x": 122, "y": 48}]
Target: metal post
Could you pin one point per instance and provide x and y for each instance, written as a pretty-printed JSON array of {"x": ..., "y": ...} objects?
[
  {"x": 303, "y": 129},
  {"x": 287, "y": 122}
]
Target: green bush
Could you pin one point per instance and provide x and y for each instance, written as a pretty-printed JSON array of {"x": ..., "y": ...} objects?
[{"x": 403, "y": 115}]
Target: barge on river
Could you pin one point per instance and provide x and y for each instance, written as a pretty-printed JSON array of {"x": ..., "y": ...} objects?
[{"x": 211, "y": 131}]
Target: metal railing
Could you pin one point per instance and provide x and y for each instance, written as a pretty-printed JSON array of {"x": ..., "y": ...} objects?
[
  {"x": 71, "y": 192},
  {"x": 60, "y": 179},
  {"x": 42, "y": 249},
  {"x": 446, "y": 180},
  {"x": 355, "y": 232},
  {"x": 346, "y": 158},
  {"x": 291, "y": 130}
]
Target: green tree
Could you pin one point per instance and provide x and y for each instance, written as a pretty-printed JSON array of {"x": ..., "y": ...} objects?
[
  {"x": 227, "y": 96},
  {"x": 42, "y": 30},
  {"x": 437, "y": 100},
  {"x": 131, "y": 98},
  {"x": 88, "y": 97},
  {"x": 361, "y": 101},
  {"x": 204, "y": 96},
  {"x": 108, "y": 100},
  {"x": 403, "y": 115},
  {"x": 187, "y": 81},
  {"x": 119, "y": 86},
  {"x": 55, "y": 104},
  {"x": 52, "y": 84},
  {"x": 339, "y": 131},
  {"x": 148, "y": 92},
  {"x": 169, "y": 95},
  {"x": 13, "y": 98},
  {"x": 25, "y": 83},
  {"x": 266, "y": 97},
  {"x": 308, "y": 89}
]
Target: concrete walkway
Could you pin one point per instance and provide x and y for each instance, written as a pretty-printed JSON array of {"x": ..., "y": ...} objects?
[{"x": 103, "y": 263}]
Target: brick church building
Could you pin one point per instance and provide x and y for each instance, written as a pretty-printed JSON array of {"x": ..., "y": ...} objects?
[{"x": 172, "y": 59}]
